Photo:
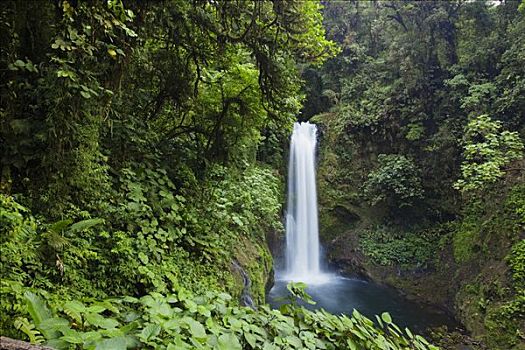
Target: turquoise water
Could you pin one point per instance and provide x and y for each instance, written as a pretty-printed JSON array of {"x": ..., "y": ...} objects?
[{"x": 342, "y": 295}]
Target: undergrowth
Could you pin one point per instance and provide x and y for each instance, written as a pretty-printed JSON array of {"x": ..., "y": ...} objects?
[
  {"x": 142, "y": 240},
  {"x": 390, "y": 247},
  {"x": 181, "y": 320}
]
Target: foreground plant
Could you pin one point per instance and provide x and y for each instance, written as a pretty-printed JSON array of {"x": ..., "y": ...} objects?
[{"x": 212, "y": 321}]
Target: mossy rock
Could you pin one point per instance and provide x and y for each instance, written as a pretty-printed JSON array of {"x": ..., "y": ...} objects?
[{"x": 255, "y": 258}]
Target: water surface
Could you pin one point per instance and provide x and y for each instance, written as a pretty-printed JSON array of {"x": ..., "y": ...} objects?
[{"x": 340, "y": 295}]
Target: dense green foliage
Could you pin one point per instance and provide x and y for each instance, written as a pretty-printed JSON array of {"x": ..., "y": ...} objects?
[
  {"x": 103, "y": 85},
  {"x": 419, "y": 82},
  {"x": 395, "y": 182},
  {"x": 210, "y": 321},
  {"x": 493, "y": 300},
  {"x": 152, "y": 241},
  {"x": 487, "y": 151},
  {"x": 142, "y": 148},
  {"x": 422, "y": 159},
  {"x": 147, "y": 221},
  {"x": 404, "y": 249},
  {"x": 516, "y": 261},
  {"x": 142, "y": 144}
]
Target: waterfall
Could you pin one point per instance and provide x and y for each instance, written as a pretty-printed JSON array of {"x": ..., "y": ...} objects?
[{"x": 302, "y": 231}]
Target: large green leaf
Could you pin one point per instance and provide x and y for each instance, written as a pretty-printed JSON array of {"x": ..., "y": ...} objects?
[
  {"x": 228, "y": 342},
  {"x": 101, "y": 321},
  {"x": 386, "y": 317},
  {"x": 74, "y": 309},
  {"x": 74, "y": 338},
  {"x": 59, "y": 226},
  {"x": 149, "y": 332},
  {"x": 53, "y": 327},
  {"x": 117, "y": 343},
  {"x": 84, "y": 225},
  {"x": 36, "y": 308},
  {"x": 196, "y": 329}
]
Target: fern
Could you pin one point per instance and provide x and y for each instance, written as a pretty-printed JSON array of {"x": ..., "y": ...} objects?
[
  {"x": 53, "y": 236},
  {"x": 29, "y": 329},
  {"x": 55, "y": 240},
  {"x": 74, "y": 309}
]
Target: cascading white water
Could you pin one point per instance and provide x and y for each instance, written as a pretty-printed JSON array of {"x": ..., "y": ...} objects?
[{"x": 302, "y": 232}]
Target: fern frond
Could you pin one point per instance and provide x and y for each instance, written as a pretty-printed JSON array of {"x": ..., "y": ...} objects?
[
  {"x": 74, "y": 309},
  {"x": 29, "y": 329},
  {"x": 55, "y": 240}
]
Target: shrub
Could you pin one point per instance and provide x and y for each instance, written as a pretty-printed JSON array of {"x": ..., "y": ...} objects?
[
  {"x": 486, "y": 152},
  {"x": 396, "y": 182}
]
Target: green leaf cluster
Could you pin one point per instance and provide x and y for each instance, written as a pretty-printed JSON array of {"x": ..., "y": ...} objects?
[
  {"x": 394, "y": 182},
  {"x": 210, "y": 321},
  {"x": 407, "y": 250},
  {"x": 152, "y": 238},
  {"x": 487, "y": 151}
]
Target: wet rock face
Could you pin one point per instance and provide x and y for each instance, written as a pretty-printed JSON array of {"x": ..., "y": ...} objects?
[
  {"x": 276, "y": 244},
  {"x": 251, "y": 268},
  {"x": 339, "y": 234},
  {"x": 246, "y": 297},
  {"x": 351, "y": 266}
]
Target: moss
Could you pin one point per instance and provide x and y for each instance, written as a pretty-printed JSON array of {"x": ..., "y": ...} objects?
[
  {"x": 505, "y": 324},
  {"x": 466, "y": 239},
  {"x": 465, "y": 242},
  {"x": 453, "y": 340},
  {"x": 516, "y": 262},
  {"x": 255, "y": 258},
  {"x": 469, "y": 307},
  {"x": 491, "y": 309}
]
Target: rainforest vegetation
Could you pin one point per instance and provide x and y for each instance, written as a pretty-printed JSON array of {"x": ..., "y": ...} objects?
[
  {"x": 143, "y": 166},
  {"x": 422, "y": 172}
]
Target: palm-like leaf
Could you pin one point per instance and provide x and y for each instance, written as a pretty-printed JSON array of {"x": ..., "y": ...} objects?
[{"x": 36, "y": 308}]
